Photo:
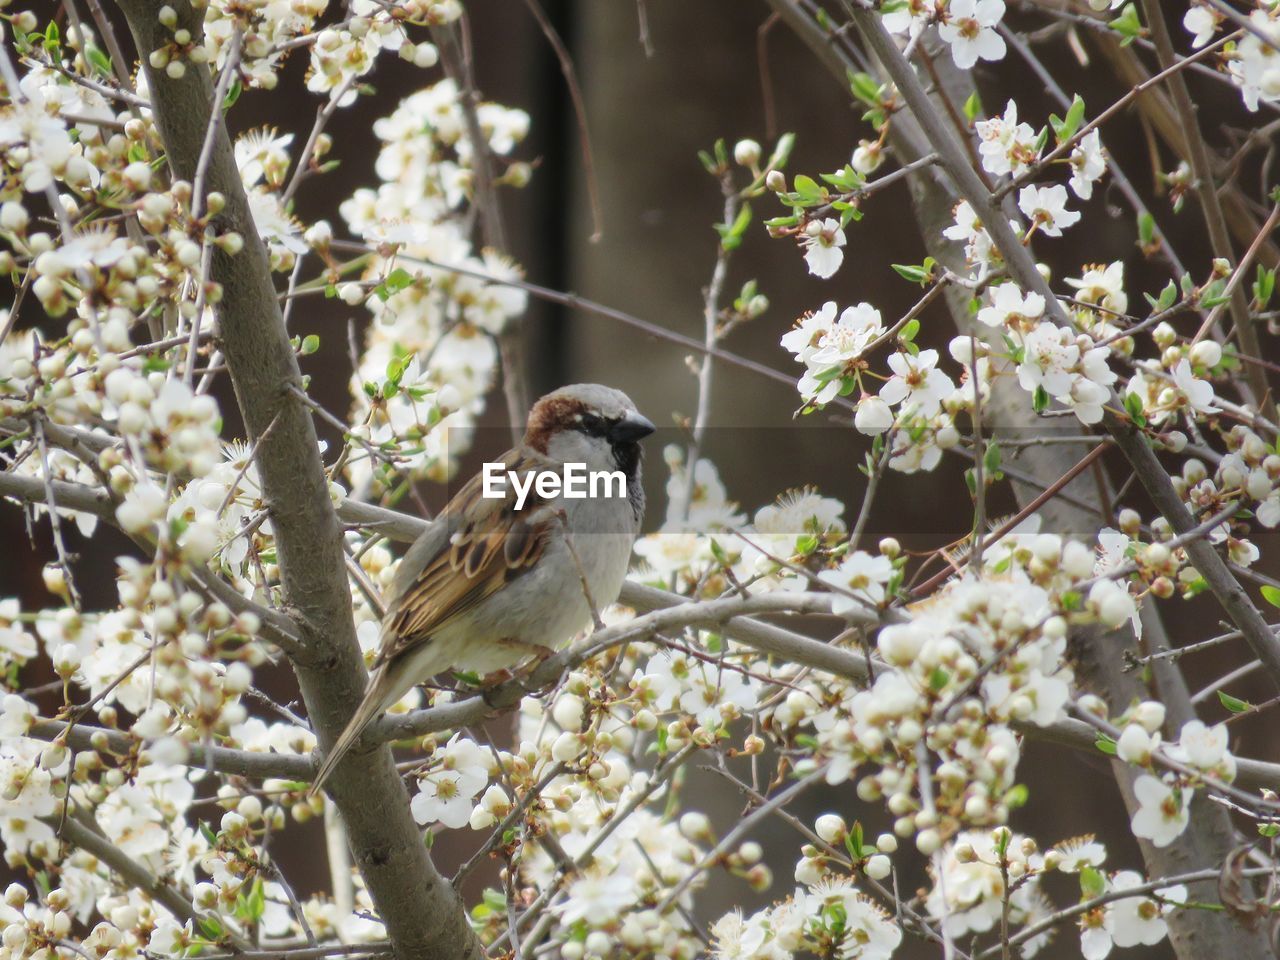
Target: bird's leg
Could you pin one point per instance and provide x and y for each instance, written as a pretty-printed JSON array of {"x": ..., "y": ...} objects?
[{"x": 596, "y": 622}]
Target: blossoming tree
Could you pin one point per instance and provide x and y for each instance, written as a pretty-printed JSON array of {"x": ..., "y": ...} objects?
[{"x": 148, "y": 790}]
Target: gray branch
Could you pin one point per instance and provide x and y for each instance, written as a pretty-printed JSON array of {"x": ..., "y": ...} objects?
[{"x": 424, "y": 917}]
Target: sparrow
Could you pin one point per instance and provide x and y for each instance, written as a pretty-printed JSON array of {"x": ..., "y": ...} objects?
[{"x": 489, "y": 585}]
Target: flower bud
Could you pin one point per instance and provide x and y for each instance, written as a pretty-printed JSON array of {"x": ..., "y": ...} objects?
[
  {"x": 831, "y": 828},
  {"x": 746, "y": 152}
]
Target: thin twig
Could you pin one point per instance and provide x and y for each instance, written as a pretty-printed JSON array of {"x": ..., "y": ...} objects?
[{"x": 580, "y": 108}]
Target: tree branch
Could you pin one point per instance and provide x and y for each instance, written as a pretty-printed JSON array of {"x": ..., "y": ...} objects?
[
  {"x": 129, "y": 870},
  {"x": 424, "y": 917}
]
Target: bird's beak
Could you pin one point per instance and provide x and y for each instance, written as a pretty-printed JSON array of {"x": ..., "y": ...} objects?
[{"x": 630, "y": 428}]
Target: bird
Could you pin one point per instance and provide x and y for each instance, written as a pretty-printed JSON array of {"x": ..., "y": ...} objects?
[{"x": 489, "y": 585}]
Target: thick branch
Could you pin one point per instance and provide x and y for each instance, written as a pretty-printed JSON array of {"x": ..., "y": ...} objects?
[{"x": 423, "y": 916}]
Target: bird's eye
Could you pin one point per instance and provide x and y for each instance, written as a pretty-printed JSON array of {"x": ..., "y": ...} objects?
[{"x": 593, "y": 425}]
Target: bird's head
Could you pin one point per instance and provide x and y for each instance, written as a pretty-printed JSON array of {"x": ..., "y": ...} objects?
[{"x": 591, "y": 424}]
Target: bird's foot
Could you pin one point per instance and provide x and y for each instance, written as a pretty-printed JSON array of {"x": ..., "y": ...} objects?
[{"x": 496, "y": 678}]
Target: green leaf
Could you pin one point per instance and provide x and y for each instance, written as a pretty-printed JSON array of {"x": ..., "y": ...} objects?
[
  {"x": 1271, "y": 594},
  {"x": 909, "y": 330},
  {"x": 249, "y": 907},
  {"x": 53, "y": 41},
  {"x": 210, "y": 927},
  {"x": 393, "y": 283},
  {"x": 1040, "y": 400},
  {"x": 938, "y": 679},
  {"x": 1071, "y": 122},
  {"x": 1105, "y": 744},
  {"x": 991, "y": 459},
  {"x": 98, "y": 60},
  {"x": 21, "y": 39},
  {"x": 853, "y": 840},
  {"x": 1134, "y": 407},
  {"x": 310, "y": 344},
  {"x": 233, "y": 94},
  {"x": 1127, "y": 24},
  {"x": 1092, "y": 883},
  {"x": 911, "y": 272},
  {"x": 782, "y": 152},
  {"x": 397, "y": 366},
  {"x": 807, "y": 187},
  {"x": 865, "y": 88},
  {"x": 973, "y": 107},
  {"x": 731, "y": 233},
  {"x": 1146, "y": 229},
  {"x": 1269, "y": 830},
  {"x": 1263, "y": 287},
  {"x": 1017, "y": 796},
  {"x": 398, "y": 279},
  {"x": 1233, "y": 704}
]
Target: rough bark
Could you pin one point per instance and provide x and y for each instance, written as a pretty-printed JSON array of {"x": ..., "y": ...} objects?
[{"x": 424, "y": 918}]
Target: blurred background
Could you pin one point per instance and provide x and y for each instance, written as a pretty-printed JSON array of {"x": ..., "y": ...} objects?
[{"x": 717, "y": 70}]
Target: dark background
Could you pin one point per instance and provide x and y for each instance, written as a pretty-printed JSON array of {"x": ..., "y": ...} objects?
[{"x": 647, "y": 117}]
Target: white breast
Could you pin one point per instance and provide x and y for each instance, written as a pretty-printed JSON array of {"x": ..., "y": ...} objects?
[{"x": 546, "y": 607}]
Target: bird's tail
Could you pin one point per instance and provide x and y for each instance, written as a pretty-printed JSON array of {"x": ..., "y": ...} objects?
[{"x": 374, "y": 703}]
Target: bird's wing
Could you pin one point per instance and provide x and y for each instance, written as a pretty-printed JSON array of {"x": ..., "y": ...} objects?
[{"x": 482, "y": 543}]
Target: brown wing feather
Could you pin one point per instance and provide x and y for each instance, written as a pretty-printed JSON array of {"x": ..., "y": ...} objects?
[{"x": 490, "y": 543}]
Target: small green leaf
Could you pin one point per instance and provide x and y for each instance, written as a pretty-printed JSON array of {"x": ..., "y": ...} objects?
[
  {"x": 1040, "y": 400},
  {"x": 991, "y": 459},
  {"x": 782, "y": 152},
  {"x": 98, "y": 60},
  {"x": 731, "y": 233},
  {"x": 1233, "y": 704},
  {"x": 1092, "y": 883},
  {"x": 1271, "y": 594},
  {"x": 865, "y": 88},
  {"x": 807, "y": 187},
  {"x": 1146, "y": 229},
  {"x": 1105, "y": 744},
  {"x": 911, "y": 272},
  {"x": 1127, "y": 24},
  {"x": 1071, "y": 122},
  {"x": 1134, "y": 407},
  {"x": 1263, "y": 288},
  {"x": 310, "y": 344},
  {"x": 233, "y": 94},
  {"x": 973, "y": 107}
]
